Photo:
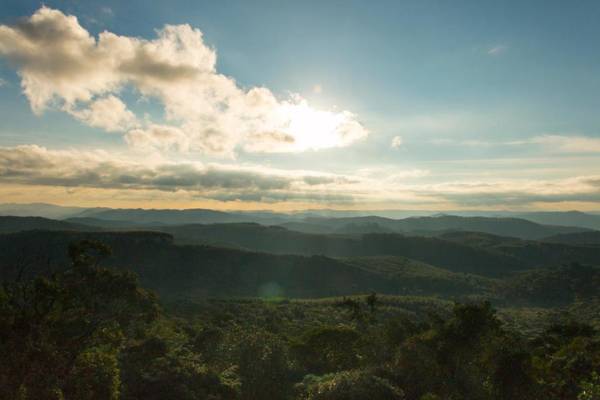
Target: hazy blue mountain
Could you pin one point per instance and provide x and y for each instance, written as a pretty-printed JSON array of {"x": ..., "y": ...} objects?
[
  {"x": 39, "y": 210},
  {"x": 307, "y": 227},
  {"x": 514, "y": 227},
  {"x": 107, "y": 223},
  {"x": 449, "y": 253},
  {"x": 567, "y": 218},
  {"x": 163, "y": 216},
  {"x": 460, "y": 251}
]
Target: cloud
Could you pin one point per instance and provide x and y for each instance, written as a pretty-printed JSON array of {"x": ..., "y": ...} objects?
[
  {"x": 76, "y": 170},
  {"x": 3, "y": 82},
  {"x": 509, "y": 193},
  {"x": 553, "y": 143},
  {"x": 161, "y": 137},
  {"x": 314, "y": 180},
  {"x": 62, "y": 66},
  {"x": 497, "y": 50},
  {"x": 396, "y": 142},
  {"x": 108, "y": 113},
  {"x": 38, "y": 165},
  {"x": 569, "y": 144},
  {"x": 35, "y": 165}
]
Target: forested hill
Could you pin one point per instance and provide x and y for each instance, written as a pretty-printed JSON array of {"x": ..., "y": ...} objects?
[
  {"x": 471, "y": 252},
  {"x": 580, "y": 238},
  {"x": 514, "y": 227},
  {"x": 207, "y": 271},
  {"x": 15, "y": 224},
  {"x": 388, "y": 263}
]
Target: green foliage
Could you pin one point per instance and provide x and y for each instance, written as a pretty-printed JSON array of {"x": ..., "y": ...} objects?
[
  {"x": 90, "y": 332},
  {"x": 52, "y": 327},
  {"x": 80, "y": 334},
  {"x": 590, "y": 388},
  {"x": 349, "y": 385},
  {"x": 95, "y": 376},
  {"x": 327, "y": 349},
  {"x": 263, "y": 366}
]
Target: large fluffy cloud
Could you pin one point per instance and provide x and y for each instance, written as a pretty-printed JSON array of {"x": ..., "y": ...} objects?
[{"x": 63, "y": 66}]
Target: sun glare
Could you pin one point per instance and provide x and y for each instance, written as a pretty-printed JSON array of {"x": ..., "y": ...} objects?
[{"x": 314, "y": 129}]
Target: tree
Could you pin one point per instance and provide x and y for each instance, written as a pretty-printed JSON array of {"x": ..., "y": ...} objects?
[
  {"x": 349, "y": 385},
  {"x": 55, "y": 330},
  {"x": 327, "y": 349},
  {"x": 263, "y": 366}
]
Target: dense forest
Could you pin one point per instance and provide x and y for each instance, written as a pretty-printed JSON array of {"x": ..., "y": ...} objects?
[{"x": 262, "y": 312}]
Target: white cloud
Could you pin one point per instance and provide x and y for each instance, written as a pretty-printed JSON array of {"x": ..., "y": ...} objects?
[
  {"x": 108, "y": 113},
  {"x": 62, "y": 66},
  {"x": 396, "y": 142},
  {"x": 3, "y": 82},
  {"x": 160, "y": 137},
  {"x": 497, "y": 50}
]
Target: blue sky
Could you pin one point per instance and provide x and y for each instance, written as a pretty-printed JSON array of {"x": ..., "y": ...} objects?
[{"x": 494, "y": 104}]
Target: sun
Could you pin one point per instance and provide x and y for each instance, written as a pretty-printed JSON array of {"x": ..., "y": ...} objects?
[{"x": 314, "y": 129}]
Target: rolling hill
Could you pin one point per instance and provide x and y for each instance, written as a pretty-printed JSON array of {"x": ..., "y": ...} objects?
[
  {"x": 202, "y": 271},
  {"x": 466, "y": 252},
  {"x": 10, "y": 224},
  {"x": 577, "y": 238},
  {"x": 514, "y": 227}
]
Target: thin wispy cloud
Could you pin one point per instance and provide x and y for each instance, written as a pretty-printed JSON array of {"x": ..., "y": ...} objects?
[
  {"x": 497, "y": 50},
  {"x": 554, "y": 143},
  {"x": 569, "y": 144}
]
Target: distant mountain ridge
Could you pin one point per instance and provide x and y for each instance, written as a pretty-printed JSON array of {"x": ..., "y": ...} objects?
[
  {"x": 534, "y": 225},
  {"x": 39, "y": 210},
  {"x": 573, "y": 218},
  {"x": 513, "y": 227},
  {"x": 459, "y": 251}
]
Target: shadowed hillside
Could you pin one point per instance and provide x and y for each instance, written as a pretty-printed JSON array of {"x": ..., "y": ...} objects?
[
  {"x": 17, "y": 224},
  {"x": 176, "y": 270},
  {"x": 582, "y": 238},
  {"x": 478, "y": 253},
  {"x": 514, "y": 227}
]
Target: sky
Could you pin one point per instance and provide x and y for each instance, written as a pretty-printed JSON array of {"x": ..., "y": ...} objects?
[{"x": 280, "y": 105}]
